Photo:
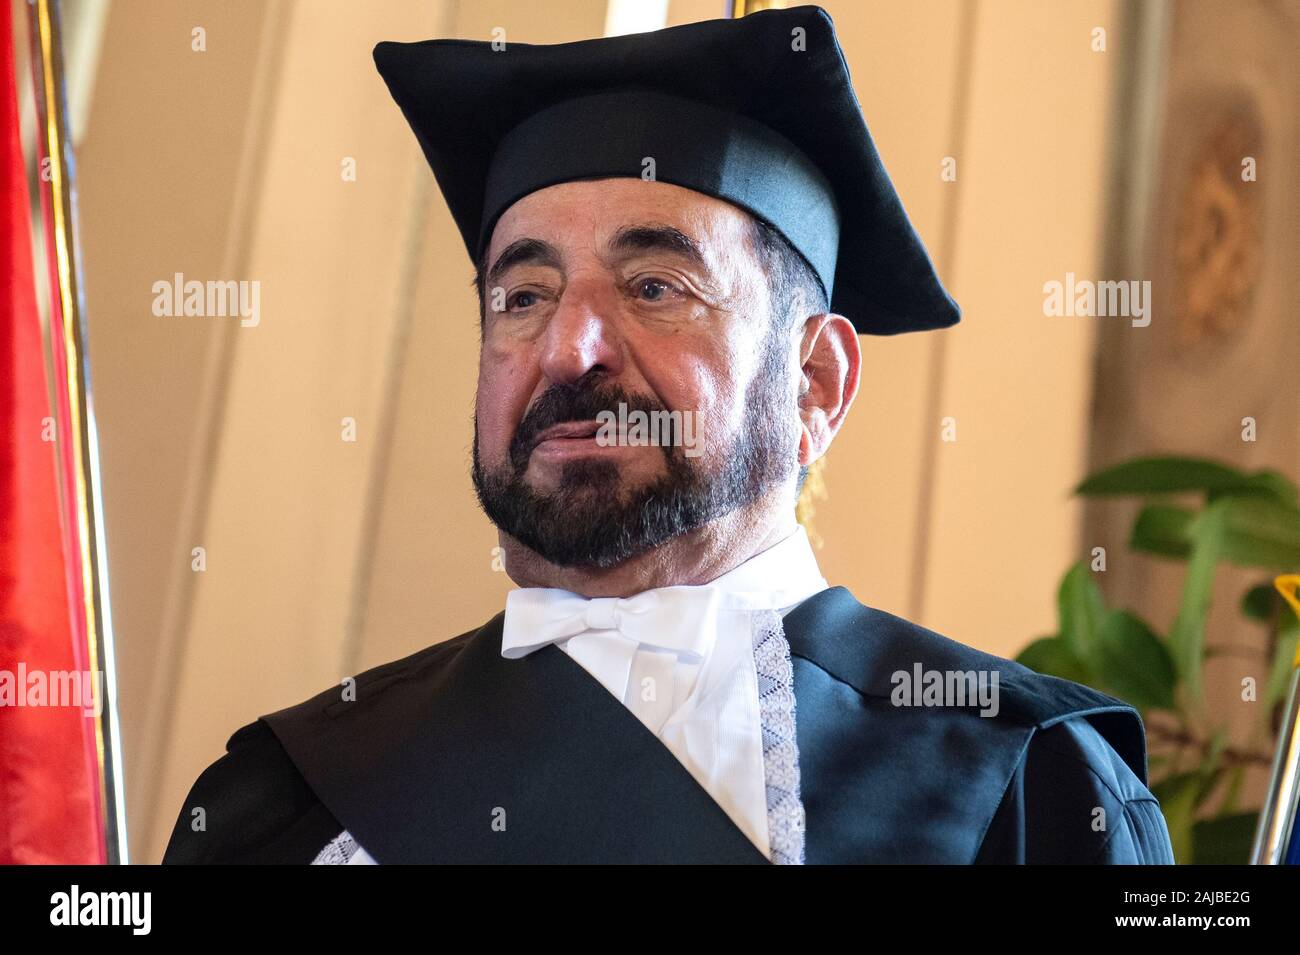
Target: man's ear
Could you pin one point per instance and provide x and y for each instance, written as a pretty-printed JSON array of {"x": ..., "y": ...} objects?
[{"x": 830, "y": 362}]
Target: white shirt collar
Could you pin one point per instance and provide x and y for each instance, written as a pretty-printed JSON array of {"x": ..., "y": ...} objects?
[{"x": 787, "y": 572}]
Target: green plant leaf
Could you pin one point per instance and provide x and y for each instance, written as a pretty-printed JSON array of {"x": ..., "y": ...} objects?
[
  {"x": 1210, "y": 764},
  {"x": 1225, "y": 840},
  {"x": 1177, "y": 795},
  {"x": 1283, "y": 665},
  {"x": 1262, "y": 483},
  {"x": 1052, "y": 656},
  {"x": 1260, "y": 532},
  {"x": 1133, "y": 663},
  {"x": 1080, "y": 609},
  {"x": 1187, "y": 638},
  {"x": 1236, "y": 776},
  {"x": 1258, "y": 602},
  {"x": 1177, "y": 475},
  {"x": 1163, "y": 529},
  {"x": 1161, "y": 475}
]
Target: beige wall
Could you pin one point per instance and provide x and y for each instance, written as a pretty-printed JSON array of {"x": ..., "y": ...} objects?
[{"x": 326, "y": 556}]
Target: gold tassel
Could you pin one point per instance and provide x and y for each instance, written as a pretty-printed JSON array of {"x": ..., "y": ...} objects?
[{"x": 814, "y": 490}]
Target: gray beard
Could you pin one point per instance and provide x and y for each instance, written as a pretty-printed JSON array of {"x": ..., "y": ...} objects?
[{"x": 591, "y": 520}]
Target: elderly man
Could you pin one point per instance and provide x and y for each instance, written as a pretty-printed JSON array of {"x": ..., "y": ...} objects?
[{"x": 690, "y": 227}]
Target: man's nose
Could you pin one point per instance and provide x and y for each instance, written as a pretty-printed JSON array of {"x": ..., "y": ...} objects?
[{"x": 583, "y": 332}]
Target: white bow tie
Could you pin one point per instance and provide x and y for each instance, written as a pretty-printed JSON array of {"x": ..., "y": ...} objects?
[{"x": 682, "y": 620}]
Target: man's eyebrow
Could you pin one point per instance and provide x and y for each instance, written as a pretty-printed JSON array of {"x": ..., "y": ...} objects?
[
  {"x": 522, "y": 251},
  {"x": 664, "y": 238},
  {"x": 657, "y": 238}
]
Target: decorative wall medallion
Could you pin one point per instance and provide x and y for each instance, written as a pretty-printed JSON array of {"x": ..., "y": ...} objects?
[{"x": 1217, "y": 243}]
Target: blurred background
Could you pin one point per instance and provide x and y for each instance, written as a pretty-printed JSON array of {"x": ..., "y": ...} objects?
[{"x": 254, "y": 141}]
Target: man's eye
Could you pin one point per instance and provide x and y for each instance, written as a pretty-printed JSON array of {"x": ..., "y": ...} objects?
[
  {"x": 523, "y": 299},
  {"x": 654, "y": 290}
]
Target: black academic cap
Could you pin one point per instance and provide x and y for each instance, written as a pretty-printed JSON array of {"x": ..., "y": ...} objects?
[{"x": 759, "y": 111}]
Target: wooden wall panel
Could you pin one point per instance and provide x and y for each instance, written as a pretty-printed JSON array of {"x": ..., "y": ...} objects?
[{"x": 1222, "y": 343}]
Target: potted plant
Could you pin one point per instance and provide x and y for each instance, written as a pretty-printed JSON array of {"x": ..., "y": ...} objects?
[{"x": 1249, "y": 520}]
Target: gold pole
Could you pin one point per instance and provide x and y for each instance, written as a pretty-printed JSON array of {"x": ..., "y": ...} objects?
[
  {"x": 741, "y": 8},
  {"x": 1276, "y": 831},
  {"x": 93, "y": 570}
]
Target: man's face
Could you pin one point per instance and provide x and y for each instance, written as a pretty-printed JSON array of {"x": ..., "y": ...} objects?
[{"x": 611, "y": 291}]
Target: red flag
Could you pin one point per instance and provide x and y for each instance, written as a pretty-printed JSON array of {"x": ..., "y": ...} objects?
[{"x": 49, "y": 789}]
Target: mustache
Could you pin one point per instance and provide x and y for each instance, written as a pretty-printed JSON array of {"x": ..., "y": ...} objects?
[{"x": 582, "y": 400}]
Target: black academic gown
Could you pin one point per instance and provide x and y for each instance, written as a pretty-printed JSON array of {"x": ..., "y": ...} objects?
[{"x": 455, "y": 754}]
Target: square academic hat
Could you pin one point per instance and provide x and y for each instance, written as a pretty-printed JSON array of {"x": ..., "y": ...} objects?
[{"x": 758, "y": 111}]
